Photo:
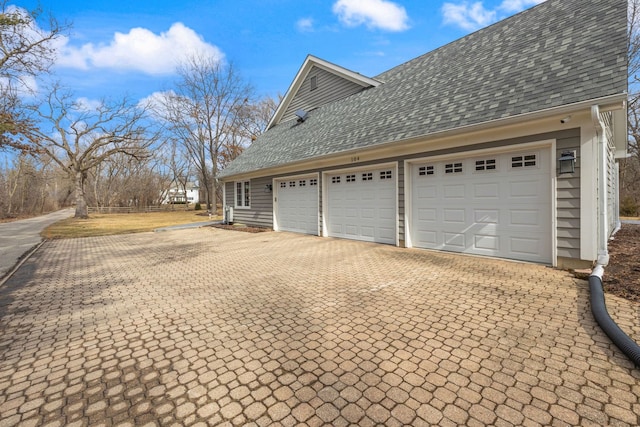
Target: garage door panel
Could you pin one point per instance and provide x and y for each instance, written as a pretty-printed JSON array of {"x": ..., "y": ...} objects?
[
  {"x": 371, "y": 206},
  {"x": 454, "y": 241},
  {"x": 427, "y": 214},
  {"x": 454, "y": 191},
  {"x": 297, "y": 208},
  {"x": 486, "y": 242},
  {"x": 486, "y": 191},
  {"x": 486, "y": 216},
  {"x": 525, "y": 218},
  {"x": 497, "y": 209},
  {"x": 525, "y": 246},
  {"x": 456, "y": 216}
]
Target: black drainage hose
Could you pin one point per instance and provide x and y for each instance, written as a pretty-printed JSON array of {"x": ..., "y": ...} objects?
[{"x": 613, "y": 331}]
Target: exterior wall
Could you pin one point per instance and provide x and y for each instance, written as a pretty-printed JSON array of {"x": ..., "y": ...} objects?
[
  {"x": 330, "y": 88},
  {"x": 568, "y": 201},
  {"x": 567, "y": 190},
  {"x": 261, "y": 212}
]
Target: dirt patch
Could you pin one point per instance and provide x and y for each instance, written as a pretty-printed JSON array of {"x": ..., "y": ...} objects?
[
  {"x": 241, "y": 227},
  {"x": 622, "y": 275}
]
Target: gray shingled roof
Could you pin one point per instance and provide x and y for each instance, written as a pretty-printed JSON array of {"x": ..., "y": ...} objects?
[{"x": 557, "y": 53}]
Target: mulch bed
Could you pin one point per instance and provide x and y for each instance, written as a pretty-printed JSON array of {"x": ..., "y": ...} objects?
[
  {"x": 241, "y": 227},
  {"x": 622, "y": 275}
]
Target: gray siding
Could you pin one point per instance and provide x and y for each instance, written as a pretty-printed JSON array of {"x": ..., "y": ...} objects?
[
  {"x": 261, "y": 211},
  {"x": 330, "y": 88},
  {"x": 568, "y": 189},
  {"x": 568, "y": 201}
]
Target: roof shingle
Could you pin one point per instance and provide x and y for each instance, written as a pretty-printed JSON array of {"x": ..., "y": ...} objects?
[{"x": 557, "y": 53}]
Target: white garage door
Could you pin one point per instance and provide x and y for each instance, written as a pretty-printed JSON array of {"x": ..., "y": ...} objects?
[
  {"x": 297, "y": 205},
  {"x": 361, "y": 205},
  {"x": 497, "y": 205}
]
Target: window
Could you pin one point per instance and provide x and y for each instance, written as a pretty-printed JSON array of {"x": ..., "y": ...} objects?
[
  {"x": 292, "y": 183},
  {"x": 335, "y": 179},
  {"x": 351, "y": 178},
  {"x": 283, "y": 184},
  {"x": 527, "y": 160},
  {"x": 426, "y": 170},
  {"x": 243, "y": 194},
  {"x": 385, "y": 175},
  {"x": 303, "y": 183},
  {"x": 313, "y": 182},
  {"x": 486, "y": 165},
  {"x": 368, "y": 176},
  {"x": 453, "y": 168},
  {"x": 313, "y": 82}
]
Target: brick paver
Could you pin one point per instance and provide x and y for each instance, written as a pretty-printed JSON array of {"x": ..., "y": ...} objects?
[{"x": 213, "y": 327}]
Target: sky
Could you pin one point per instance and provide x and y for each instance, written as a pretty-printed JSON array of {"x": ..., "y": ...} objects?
[{"x": 117, "y": 48}]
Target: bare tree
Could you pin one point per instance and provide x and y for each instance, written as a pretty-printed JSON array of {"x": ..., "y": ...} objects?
[
  {"x": 26, "y": 51},
  {"x": 79, "y": 138},
  {"x": 630, "y": 167},
  {"x": 204, "y": 111}
]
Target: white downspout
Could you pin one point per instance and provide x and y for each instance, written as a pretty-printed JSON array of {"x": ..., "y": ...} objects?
[{"x": 603, "y": 254}]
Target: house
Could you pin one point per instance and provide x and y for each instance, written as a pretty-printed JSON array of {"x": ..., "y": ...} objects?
[
  {"x": 502, "y": 143},
  {"x": 187, "y": 193}
]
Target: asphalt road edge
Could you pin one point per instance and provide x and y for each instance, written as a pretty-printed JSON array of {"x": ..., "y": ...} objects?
[{"x": 21, "y": 261}]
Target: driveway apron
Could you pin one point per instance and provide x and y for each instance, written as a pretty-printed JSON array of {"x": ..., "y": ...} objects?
[{"x": 214, "y": 327}]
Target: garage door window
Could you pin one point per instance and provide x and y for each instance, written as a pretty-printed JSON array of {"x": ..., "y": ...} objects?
[
  {"x": 385, "y": 175},
  {"x": 426, "y": 170},
  {"x": 453, "y": 168},
  {"x": 368, "y": 176},
  {"x": 335, "y": 179},
  {"x": 527, "y": 160},
  {"x": 243, "y": 194},
  {"x": 485, "y": 165},
  {"x": 313, "y": 182}
]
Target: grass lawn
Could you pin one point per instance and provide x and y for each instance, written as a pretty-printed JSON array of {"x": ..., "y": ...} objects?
[{"x": 108, "y": 224}]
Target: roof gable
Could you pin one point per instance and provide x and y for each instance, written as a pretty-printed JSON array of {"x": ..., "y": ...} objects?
[{"x": 332, "y": 83}]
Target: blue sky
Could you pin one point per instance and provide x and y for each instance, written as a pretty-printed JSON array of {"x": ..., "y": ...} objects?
[{"x": 118, "y": 48}]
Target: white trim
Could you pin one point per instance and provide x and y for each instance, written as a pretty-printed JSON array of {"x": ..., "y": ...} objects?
[
  {"x": 588, "y": 197},
  {"x": 554, "y": 202},
  {"x": 275, "y": 188},
  {"x": 235, "y": 193},
  {"x": 308, "y": 63},
  {"x": 325, "y": 191}
]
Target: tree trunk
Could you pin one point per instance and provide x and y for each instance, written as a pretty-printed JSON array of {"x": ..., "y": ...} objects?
[{"x": 81, "y": 202}]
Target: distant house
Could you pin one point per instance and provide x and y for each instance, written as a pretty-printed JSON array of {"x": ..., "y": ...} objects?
[
  {"x": 189, "y": 193},
  {"x": 502, "y": 143}
]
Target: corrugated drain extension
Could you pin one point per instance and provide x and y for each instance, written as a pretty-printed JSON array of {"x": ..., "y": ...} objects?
[{"x": 599, "y": 309}]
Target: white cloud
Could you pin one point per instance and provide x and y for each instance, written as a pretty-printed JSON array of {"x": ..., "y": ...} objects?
[
  {"x": 305, "y": 25},
  {"x": 472, "y": 16},
  {"x": 86, "y": 104},
  {"x": 140, "y": 50},
  {"x": 381, "y": 14}
]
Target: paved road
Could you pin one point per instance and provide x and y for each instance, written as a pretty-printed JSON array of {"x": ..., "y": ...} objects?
[
  {"x": 211, "y": 327},
  {"x": 17, "y": 237}
]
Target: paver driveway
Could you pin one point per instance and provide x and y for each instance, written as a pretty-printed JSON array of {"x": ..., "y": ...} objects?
[{"x": 216, "y": 327}]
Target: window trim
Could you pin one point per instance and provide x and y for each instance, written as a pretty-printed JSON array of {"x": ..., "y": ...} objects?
[{"x": 244, "y": 196}]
